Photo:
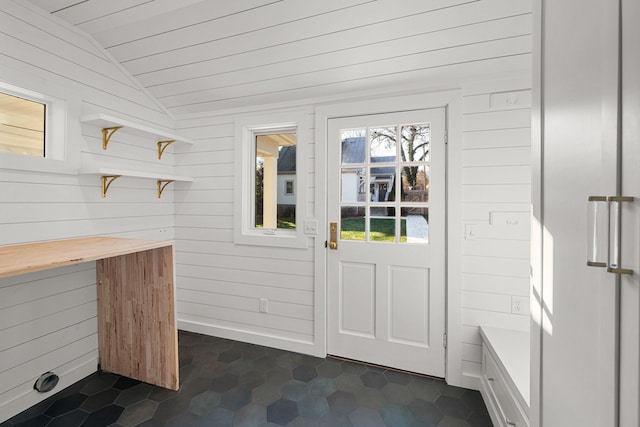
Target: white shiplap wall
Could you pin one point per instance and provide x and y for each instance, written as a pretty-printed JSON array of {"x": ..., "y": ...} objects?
[
  {"x": 496, "y": 178},
  {"x": 201, "y": 56},
  {"x": 221, "y": 283},
  {"x": 48, "y": 319}
]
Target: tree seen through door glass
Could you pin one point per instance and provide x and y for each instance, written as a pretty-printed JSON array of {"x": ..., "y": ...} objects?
[
  {"x": 396, "y": 160},
  {"x": 275, "y": 199}
]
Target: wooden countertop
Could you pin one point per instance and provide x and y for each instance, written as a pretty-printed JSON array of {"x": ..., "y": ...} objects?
[{"x": 30, "y": 257}]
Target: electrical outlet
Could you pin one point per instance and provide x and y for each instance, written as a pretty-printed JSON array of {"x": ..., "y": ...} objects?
[
  {"x": 520, "y": 305},
  {"x": 264, "y": 305}
]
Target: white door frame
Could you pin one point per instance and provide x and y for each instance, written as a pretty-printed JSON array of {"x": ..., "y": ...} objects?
[{"x": 452, "y": 101}]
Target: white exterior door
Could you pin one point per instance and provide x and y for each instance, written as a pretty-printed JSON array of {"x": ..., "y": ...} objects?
[{"x": 386, "y": 277}]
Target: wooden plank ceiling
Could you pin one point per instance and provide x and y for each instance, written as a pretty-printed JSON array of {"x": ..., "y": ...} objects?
[{"x": 197, "y": 56}]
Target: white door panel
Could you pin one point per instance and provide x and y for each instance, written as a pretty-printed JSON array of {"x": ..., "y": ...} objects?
[{"x": 386, "y": 281}]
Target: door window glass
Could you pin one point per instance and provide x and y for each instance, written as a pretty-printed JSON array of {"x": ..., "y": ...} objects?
[{"x": 385, "y": 183}]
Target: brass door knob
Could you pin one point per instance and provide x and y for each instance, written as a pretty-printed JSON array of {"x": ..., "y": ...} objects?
[{"x": 333, "y": 245}]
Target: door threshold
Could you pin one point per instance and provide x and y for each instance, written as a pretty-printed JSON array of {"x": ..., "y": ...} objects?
[{"x": 388, "y": 368}]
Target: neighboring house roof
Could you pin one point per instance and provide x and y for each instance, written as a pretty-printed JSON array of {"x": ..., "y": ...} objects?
[
  {"x": 353, "y": 151},
  {"x": 389, "y": 170},
  {"x": 287, "y": 160}
]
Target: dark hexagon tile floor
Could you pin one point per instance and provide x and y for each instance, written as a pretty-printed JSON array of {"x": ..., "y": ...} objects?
[{"x": 228, "y": 383}]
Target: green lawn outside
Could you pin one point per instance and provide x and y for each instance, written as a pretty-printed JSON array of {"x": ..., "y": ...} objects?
[
  {"x": 382, "y": 229},
  {"x": 288, "y": 223}
]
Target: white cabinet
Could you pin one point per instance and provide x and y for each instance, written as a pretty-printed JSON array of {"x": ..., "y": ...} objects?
[
  {"x": 505, "y": 376},
  {"x": 585, "y": 144}
]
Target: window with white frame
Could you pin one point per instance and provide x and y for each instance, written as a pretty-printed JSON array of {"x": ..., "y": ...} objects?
[
  {"x": 22, "y": 125},
  {"x": 270, "y": 149},
  {"x": 37, "y": 132}
]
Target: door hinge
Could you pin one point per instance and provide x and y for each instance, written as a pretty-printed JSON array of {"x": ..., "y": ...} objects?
[
  {"x": 446, "y": 136},
  {"x": 444, "y": 340}
]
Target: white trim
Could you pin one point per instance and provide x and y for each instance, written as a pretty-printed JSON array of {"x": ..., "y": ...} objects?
[
  {"x": 274, "y": 341},
  {"x": 62, "y": 133},
  {"x": 537, "y": 231},
  {"x": 245, "y": 127},
  {"x": 452, "y": 100},
  {"x": 69, "y": 374}
]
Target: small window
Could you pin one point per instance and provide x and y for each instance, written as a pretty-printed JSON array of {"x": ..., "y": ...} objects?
[
  {"x": 288, "y": 188},
  {"x": 39, "y": 126},
  {"x": 22, "y": 126},
  {"x": 270, "y": 151},
  {"x": 275, "y": 153}
]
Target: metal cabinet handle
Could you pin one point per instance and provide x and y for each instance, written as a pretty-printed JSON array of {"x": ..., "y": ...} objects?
[
  {"x": 597, "y": 233},
  {"x": 603, "y": 239},
  {"x": 615, "y": 212},
  {"x": 509, "y": 422}
]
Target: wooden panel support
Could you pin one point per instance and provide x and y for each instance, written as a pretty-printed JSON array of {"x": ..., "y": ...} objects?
[{"x": 137, "y": 331}]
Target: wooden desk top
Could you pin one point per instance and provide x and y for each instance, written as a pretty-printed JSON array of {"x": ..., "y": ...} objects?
[{"x": 30, "y": 257}]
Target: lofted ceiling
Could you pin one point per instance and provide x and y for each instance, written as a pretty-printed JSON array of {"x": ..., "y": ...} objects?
[{"x": 197, "y": 56}]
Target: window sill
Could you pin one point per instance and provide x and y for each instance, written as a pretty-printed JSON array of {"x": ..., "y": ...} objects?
[
  {"x": 273, "y": 238},
  {"x": 22, "y": 163}
]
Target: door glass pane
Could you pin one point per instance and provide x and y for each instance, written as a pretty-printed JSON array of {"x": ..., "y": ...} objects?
[
  {"x": 416, "y": 221},
  {"x": 383, "y": 229},
  {"x": 415, "y": 143},
  {"x": 352, "y": 223},
  {"x": 383, "y": 144},
  {"x": 382, "y": 184},
  {"x": 353, "y": 185},
  {"x": 353, "y": 146},
  {"x": 415, "y": 184}
]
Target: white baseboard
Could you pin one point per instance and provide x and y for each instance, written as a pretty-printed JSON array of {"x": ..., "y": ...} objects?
[
  {"x": 304, "y": 347},
  {"x": 471, "y": 381},
  {"x": 24, "y": 396}
]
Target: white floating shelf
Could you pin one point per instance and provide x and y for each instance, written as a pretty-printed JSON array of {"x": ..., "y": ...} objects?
[
  {"x": 134, "y": 174},
  {"x": 108, "y": 175},
  {"x": 111, "y": 124}
]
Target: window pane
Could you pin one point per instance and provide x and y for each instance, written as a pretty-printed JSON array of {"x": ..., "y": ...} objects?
[
  {"x": 353, "y": 185},
  {"x": 275, "y": 199},
  {"x": 382, "y": 185},
  {"x": 383, "y": 144},
  {"x": 415, "y": 184},
  {"x": 22, "y": 126},
  {"x": 417, "y": 224},
  {"x": 415, "y": 143},
  {"x": 353, "y": 146},
  {"x": 382, "y": 229},
  {"x": 352, "y": 223}
]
